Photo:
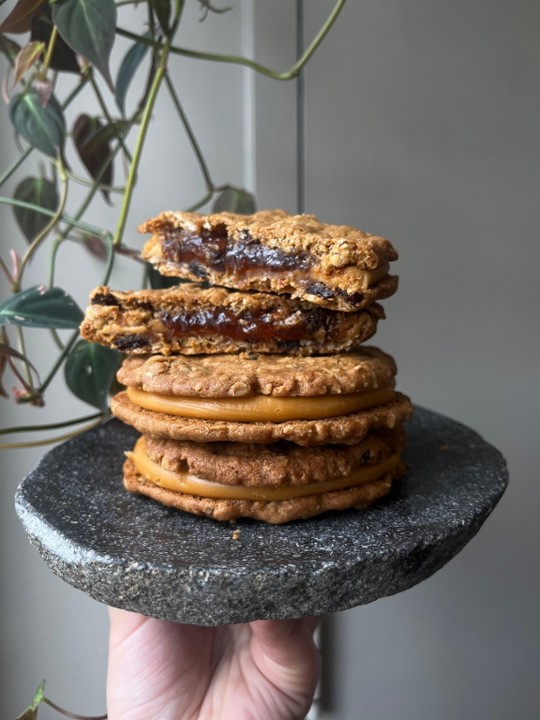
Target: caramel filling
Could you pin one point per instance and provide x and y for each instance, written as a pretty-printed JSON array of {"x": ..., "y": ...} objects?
[
  {"x": 183, "y": 482},
  {"x": 260, "y": 408}
]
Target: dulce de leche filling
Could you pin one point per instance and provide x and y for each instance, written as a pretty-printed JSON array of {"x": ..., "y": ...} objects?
[
  {"x": 183, "y": 482},
  {"x": 260, "y": 408}
]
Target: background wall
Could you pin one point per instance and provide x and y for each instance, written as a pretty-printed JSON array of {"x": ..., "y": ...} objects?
[{"x": 421, "y": 124}]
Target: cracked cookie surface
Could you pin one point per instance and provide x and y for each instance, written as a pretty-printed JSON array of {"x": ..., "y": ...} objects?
[
  {"x": 221, "y": 376},
  {"x": 190, "y": 320},
  {"x": 336, "y": 266}
]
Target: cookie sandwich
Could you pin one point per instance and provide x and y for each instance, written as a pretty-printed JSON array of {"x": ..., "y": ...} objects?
[
  {"x": 270, "y": 437},
  {"x": 250, "y": 383}
]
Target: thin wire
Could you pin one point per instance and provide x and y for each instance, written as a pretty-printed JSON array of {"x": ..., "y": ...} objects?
[{"x": 300, "y": 115}]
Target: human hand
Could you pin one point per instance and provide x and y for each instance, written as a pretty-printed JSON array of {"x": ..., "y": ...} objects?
[{"x": 159, "y": 670}]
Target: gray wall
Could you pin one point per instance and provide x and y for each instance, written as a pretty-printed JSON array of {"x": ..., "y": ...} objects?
[{"x": 422, "y": 125}]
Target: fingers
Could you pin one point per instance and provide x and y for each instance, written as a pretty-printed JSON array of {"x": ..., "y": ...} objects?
[{"x": 285, "y": 652}]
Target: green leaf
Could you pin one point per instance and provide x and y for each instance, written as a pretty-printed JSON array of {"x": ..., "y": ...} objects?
[
  {"x": 162, "y": 8},
  {"x": 42, "y": 126},
  {"x": 40, "y": 192},
  {"x": 128, "y": 68},
  {"x": 91, "y": 138},
  {"x": 158, "y": 281},
  {"x": 90, "y": 370},
  {"x": 88, "y": 27},
  {"x": 19, "y": 19},
  {"x": 41, "y": 307},
  {"x": 63, "y": 57},
  {"x": 235, "y": 200},
  {"x": 9, "y": 48},
  {"x": 31, "y": 712}
]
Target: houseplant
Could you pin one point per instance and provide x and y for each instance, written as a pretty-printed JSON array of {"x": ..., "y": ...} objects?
[{"x": 56, "y": 54}]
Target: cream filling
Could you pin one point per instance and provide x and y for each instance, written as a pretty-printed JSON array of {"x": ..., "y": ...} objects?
[
  {"x": 183, "y": 482},
  {"x": 260, "y": 408}
]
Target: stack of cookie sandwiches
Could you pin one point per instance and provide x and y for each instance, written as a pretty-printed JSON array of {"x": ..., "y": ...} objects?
[{"x": 249, "y": 381}]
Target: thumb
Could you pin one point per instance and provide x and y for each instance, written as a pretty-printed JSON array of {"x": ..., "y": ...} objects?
[{"x": 285, "y": 653}]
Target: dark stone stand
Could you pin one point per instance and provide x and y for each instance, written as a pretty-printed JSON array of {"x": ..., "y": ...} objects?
[{"x": 133, "y": 553}]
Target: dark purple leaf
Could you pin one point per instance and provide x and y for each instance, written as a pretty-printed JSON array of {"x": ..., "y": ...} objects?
[
  {"x": 91, "y": 139},
  {"x": 19, "y": 19},
  {"x": 40, "y": 192},
  {"x": 63, "y": 57},
  {"x": 90, "y": 370}
]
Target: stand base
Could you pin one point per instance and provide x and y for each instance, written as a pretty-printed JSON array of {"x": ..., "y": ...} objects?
[{"x": 130, "y": 552}]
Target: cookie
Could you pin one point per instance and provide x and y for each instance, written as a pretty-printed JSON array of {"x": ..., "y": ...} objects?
[
  {"x": 347, "y": 429},
  {"x": 280, "y": 464},
  {"x": 335, "y": 266},
  {"x": 273, "y": 511},
  {"x": 189, "y": 319},
  {"x": 226, "y": 376}
]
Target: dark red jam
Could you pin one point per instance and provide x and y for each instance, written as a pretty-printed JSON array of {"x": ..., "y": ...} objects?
[
  {"x": 248, "y": 325},
  {"x": 215, "y": 250}
]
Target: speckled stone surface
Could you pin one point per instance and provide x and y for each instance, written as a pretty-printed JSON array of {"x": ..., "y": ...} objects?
[{"x": 130, "y": 552}]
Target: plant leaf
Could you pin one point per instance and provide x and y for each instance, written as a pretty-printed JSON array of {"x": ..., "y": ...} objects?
[
  {"x": 63, "y": 57},
  {"x": 162, "y": 8},
  {"x": 27, "y": 57},
  {"x": 19, "y": 19},
  {"x": 89, "y": 28},
  {"x": 158, "y": 281},
  {"x": 128, "y": 68},
  {"x": 42, "y": 126},
  {"x": 90, "y": 370},
  {"x": 94, "y": 149},
  {"x": 37, "y": 191},
  {"x": 8, "y": 351},
  {"x": 41, "y": 307},
  {"x": 9, "y": 48},
  {"x": 235, "y": 200},
  {"x": 96, "y": 246}
]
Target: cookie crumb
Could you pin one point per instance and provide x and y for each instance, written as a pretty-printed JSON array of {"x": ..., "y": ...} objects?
[{"x": 236, "y": 534}]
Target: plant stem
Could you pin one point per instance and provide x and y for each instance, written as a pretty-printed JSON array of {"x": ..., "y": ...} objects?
[
  {"x": 16, "y": 165},
  {"x": 143, "y": 128},
  {"x": 50, "y": 426},
  {"x": 65, "y": 352},
  {"x": 42, "y": 234},
  {"x": 289, "y": 74},
  {"x": 105, "y": 111},
  {"x": 201, "y": 202},
  {"x": 69, "y": 714},
  {"x": 49, "y": 441},
  {"x": 50, "y": 50},
  {"x": 73, "y": 222},
  {"x": 191, "y": 136}
]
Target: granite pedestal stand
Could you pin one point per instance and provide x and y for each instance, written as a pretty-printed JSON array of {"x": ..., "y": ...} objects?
[{"x": 130, "y": 552}]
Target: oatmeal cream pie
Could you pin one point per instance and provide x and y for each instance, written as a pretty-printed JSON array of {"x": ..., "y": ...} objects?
[
  {"x": 308, "y": 400},
  {"x": 336, "y": 266},
  {"x": 275, "y": 483},
  {"x": 189, "y": 319}
]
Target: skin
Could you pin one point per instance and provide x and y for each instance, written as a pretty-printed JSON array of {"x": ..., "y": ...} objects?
[{"x": 158, "y": 670}]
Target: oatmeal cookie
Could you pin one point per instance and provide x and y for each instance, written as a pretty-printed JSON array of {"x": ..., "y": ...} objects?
[
  {"x": 281, "y": 464},
  {"x": 275, "y": 512},
  {"x": 222, "y": 376},
  {"x": 336, "y": 266},
  {"x": 189, "y": 319},
  {"x": 348, "y": 429}
]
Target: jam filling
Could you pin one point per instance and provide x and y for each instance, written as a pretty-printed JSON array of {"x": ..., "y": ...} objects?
[
  {"x": 216, "y": 250},
  {"x": 246, "y": 325}
]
